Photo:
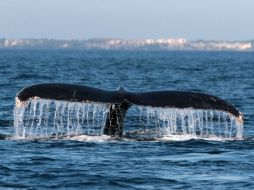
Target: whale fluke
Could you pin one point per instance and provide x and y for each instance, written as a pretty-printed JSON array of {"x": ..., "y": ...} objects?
[
  {"x": 185, "y": 99},
  {"x": 121, "y": 100}
]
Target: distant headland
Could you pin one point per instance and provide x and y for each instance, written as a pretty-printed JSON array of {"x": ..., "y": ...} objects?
[{"x": 124, "y": 44}]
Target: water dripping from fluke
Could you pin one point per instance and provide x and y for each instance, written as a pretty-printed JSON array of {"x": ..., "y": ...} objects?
[
  {"x": 45, "y": 118},
  {"x": 188, "y": 123}
]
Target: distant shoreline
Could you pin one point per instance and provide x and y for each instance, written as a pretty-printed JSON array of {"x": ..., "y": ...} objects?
[{"x": 169, "y": 44}]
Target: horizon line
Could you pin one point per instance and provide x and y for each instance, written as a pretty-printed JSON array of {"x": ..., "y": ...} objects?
[{"x": 114, "y": 38}]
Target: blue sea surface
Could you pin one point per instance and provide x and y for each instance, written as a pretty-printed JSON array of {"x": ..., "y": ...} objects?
[{"x": 128, "y": 164}]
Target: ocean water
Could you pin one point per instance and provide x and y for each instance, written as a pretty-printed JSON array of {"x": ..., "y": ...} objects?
[{"x": 44, "y": 156}]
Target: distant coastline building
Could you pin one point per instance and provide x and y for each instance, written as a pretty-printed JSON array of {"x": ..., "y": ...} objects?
[{"x": 143, "y": 44}]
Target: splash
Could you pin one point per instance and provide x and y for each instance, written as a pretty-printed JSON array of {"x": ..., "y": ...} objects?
[
  {"x": 191, "y": 123},
  {"x": 38, "y": 118}
]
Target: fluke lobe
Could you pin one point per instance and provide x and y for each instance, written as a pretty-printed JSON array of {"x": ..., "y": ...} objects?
[{"x": 121, "y": 100}]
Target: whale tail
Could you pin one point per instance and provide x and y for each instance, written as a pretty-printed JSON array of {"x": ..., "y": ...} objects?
[{"x": 121, "y": 100}]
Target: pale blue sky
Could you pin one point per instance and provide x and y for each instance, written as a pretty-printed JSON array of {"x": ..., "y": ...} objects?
[{"x": 129, "y": 19}]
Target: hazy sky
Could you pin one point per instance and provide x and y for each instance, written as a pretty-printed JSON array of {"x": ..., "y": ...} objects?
[{"x": 129, "y": 19}]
